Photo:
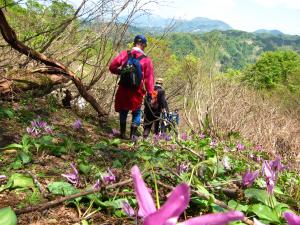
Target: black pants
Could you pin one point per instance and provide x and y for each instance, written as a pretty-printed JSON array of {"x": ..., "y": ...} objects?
[{"x": 151, "y": 117}]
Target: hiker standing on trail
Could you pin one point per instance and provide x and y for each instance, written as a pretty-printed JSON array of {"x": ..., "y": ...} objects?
[
  {"x": 155, "y": 109},
  {"x": 136, "y": 78}
]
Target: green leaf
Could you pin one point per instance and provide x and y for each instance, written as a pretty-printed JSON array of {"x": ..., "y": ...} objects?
[
  {"x": 264, "y": 212},
  {"x": 115, "y": 142},
  {"x": 237, "y": 206},
  {"x": 26, "y": 158},
  {"x": 13, "y": 146},
  {"x": 20, "y": 181},
  {"x": 62, "y": 188},
  {"x": 84, "y": 168},
  {"x": 84, "y": 222},
  {"x": 260, "y": 195},
  {"x": 7, "y": 216}
]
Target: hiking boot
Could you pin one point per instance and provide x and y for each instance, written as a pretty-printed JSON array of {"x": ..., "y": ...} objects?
[
  {"x": 133, "y": 131},
  {"x": 123, "y": 130}
]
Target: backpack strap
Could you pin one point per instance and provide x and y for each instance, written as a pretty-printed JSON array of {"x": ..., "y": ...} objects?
[
  {"x": 141, "y": 57},
  {"x": 138, "y": 58}
]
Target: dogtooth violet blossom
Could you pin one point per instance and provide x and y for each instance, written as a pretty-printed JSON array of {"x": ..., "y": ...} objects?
[
  {"x": 127, "y": 209},
  {"x": 176, "y": 203},
  {"x": 213, "y": 144},
  {"x": 249, "y": 178},
  {"x": 109, "y": 177},
  {"x": 240, "y": 147},
  {"x": 184, "y": 136},
  {"x": 77, "y": 125},
  {"x": 269, "y": 175},
  {"x": 201, "y": 136},
  {"x": 291, "y": 218},
  {"x": 38, "y": 128},
  {"x": 96, "y": 186},
  {"x": 2, "y": 177},
  {"x": 73, "y": 178},
  {"x": 226, "y": 163},
  {"x": 183, "y": 167},
  {"x": 276, "y": 165}
]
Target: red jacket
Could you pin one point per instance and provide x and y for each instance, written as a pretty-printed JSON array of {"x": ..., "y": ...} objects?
[{"x": 126, "y": 98}]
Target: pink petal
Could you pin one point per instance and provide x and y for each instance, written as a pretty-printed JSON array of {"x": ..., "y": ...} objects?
[
  {"x": 215, "y": 218},
  {"x": 291, "y": 218},
  {"x": 144, "y": 198},
  {"x": 173, "y": 207}
]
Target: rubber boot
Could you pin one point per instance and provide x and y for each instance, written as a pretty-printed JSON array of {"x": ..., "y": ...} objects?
[
  {"x": 133, "y": 131},
  {"x": 122, "y": 130}
]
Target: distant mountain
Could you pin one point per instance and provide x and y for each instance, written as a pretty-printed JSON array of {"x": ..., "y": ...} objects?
[
  {"x": 154, "y": 24},
  {"x": 272, "y": 32}
]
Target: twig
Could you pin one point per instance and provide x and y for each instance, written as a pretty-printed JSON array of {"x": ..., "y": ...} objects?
[{"x": 47, "y": 205}]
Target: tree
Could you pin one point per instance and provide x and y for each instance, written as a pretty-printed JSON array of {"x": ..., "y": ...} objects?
[{"x": 272, "y": 69}]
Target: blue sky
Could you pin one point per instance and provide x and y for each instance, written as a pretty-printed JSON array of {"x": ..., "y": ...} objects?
[{"x": 248, "y": 15}]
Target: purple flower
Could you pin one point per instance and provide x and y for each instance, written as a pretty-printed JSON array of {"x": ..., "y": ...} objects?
[
  {"x": 127, "y": 209},
  {"x": 156, "y": 138},
  {"x": 269, "y": 175},
  {"x": 176, "y": 203},
  {"x": 3, "y": 177},
  {"x": 291, "y": 218},
  {"x": 249, "y": 178},
  {"x": 184, "y": 136},
  {"x": 226, "y": 163},
  {"x": 96, "y": 186},
  {"x": 201, "y": 136},
  {"x": 73, "y": 178},
  {"x": 77, "y": 125},
  {"x": 213, "y": 144},
  {"x": 258, "y": 147},
  {"x": 38, "y": 128},
  {"x": 167, "y": 137},
  {"x": 276, "y": 165},
  {"x": 115, "y": 132},
  {"x": 109, "y": 177},
  {"x": 240, "y": 147},
  {"x": 183, "y": 167}
]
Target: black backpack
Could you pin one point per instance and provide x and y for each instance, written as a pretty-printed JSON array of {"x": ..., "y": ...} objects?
[{"x": 131, "y": 74}]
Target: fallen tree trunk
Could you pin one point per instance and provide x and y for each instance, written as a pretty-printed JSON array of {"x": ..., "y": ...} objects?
[
  {"x": 10, "y": 37},
  {"x": 40, "y": 85}
]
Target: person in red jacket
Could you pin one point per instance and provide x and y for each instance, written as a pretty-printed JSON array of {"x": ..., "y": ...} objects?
[{"x": 128, "y": 99}]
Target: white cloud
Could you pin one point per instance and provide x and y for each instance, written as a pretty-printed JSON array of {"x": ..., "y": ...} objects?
[{"x": 290, "y": 4}]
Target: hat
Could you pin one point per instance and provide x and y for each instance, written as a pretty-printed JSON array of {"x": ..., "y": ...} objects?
[
  {"x": 140, "y": 38},
  {"x": 159, "y": 81}
]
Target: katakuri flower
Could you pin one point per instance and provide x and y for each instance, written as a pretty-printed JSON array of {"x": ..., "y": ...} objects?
[
  {"x": 182, "y": 168},
  {"x": 109, "y": 177},
  {"x": 213, "y": 144},
  {"x": 96, "y": 186},
  {"x": 77, "y": 125},
  {"x": 73, "y": 177},
  {"x": 226, "y": 163},
  {"x": 3, "y": 177},
  {"x": 249, "y": 178},
  {"x": 291, "y": 218},
  {"x": 176, "y": 203},
  {"x": 127, "y": 209},
  {"x": 38, "y": 128},
  {"x": 276, "y": 165},
  {"x": 269, "y": 175},
  {"x": 240, "y": 147},
  {"x": 184, "y": 136},
  {"x": 201, "y": 136}
]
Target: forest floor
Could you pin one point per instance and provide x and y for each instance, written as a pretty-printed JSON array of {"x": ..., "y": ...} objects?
[{"x": 93, "y": 148}]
